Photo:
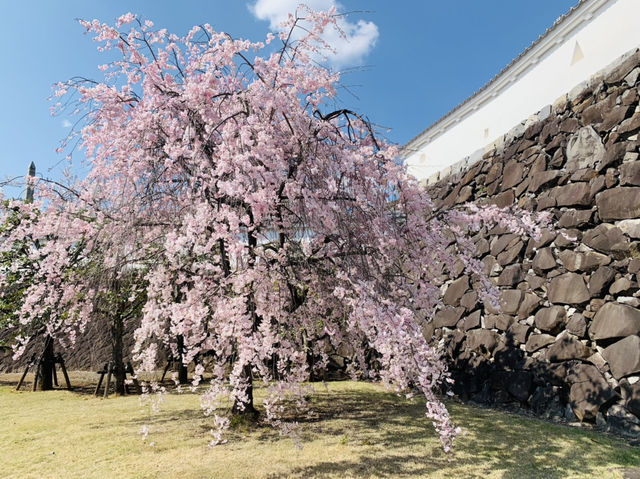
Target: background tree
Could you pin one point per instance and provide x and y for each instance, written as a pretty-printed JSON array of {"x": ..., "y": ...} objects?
[
  {"x": 51, "y": 274},
  {"x": 19, "y": 270},
  {"x": 269, "y": 224}
]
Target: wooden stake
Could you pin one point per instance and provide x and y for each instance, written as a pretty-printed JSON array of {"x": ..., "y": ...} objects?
[
  {"x": 64, "y": 372},
  {"x": 26, "y": 370},
  {"x": 106, "y": 386},
  {"x": 102, "y": 373}
]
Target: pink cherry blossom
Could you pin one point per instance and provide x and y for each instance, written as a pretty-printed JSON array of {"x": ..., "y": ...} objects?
[{"x": 261, "y": 223}]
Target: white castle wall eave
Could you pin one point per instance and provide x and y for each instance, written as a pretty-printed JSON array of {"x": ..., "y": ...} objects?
[{"x": 610, "y": 33}]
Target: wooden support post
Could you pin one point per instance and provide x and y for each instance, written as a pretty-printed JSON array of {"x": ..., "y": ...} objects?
[
  {"x": 108, "y": 383},
  {"x": 26, "y": 370},
  {"x": 102, "y": 373},
  {"x": 64, "y": 371}
]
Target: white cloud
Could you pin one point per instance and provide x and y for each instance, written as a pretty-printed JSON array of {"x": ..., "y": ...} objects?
[
  {"x": 361, "y": 36},
  {"x": 66, "y": 123}
]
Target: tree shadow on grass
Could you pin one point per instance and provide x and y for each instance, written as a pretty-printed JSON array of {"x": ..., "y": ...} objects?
[
  {"x": 388, "y": 436},
  {"x": 403, "y": 442}
]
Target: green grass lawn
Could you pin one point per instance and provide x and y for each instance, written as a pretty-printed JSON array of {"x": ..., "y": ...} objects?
[{"x": 359, "y": 430}]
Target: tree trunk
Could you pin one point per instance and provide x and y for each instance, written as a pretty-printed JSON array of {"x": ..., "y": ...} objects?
[
  {"x": 183, "y": 375},
  {"x": 47, "y": 365},
  {"x": 117, "y": 356},
  {"x": 246, "y": 409}
]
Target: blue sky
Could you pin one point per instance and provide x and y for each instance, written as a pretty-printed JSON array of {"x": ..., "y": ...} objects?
[{"x": 408, "y": 62}]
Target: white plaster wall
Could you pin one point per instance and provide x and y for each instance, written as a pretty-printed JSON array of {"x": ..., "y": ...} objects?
[{"x": 608, "y": 34}]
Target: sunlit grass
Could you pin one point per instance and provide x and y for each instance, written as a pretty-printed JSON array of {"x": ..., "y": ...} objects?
[{"x": 358, "y": 430}]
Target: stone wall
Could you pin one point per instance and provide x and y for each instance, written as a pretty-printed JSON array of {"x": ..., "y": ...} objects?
[
  {"x": 566, "y": 342},
  {"x": 90, "y": 352}
]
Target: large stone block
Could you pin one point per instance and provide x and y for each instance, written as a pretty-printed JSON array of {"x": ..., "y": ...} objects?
[
  {"x": 594, "y": 114},
  {"x": 570, "y": 259},
  {"x": 520, "y": 384},
  {"x": 544, "y": 261},
  {"x": 482, "y": 246},
  {"x": 601, "y": 279},
  {"x": 511, "y": 275},
  {"x": 573, "y": 194},
  {"x": 573, "y": 218},
  {"x": 494, "y": 173},
  {"x": 509, "y": 255},
  {"x": 623, "y": 357},
  {"x": 533, "y": 130},
  {"x": 498, "y": 321},
  {"x": 448, "y": 317},
  {"x": 591, "y": 260},
  {"x": 549, "y": 131},
  {"x": 607, "y": 238},
  {"x": 482, "y": 340},
  {"x": 632, "y": 77},
  {"x": 631, "y": 395},
  {"x": 630, "y": 173},
  {"x": 621, "y": 421},
  {"x": 582, "y": 261},
  {"x": 630, "y": 227},
  {"x": 623, "y": 286},
  {"x": 567, "y": 347},
  {"x": 623, "y": 69},
  {"x": 456, "y": 290},
  {"x": 542, "y": 178},
  {"x": 584, "y": 149},
  {"x": 589, "y": 390},
  {"x": 470, "y": 322},
  {"x": 568, "y": 288},
  {"x": 568, "y": 238},
  {"x": 551, "y": 319},
  {"x": 583, "y": 174},
  {"x": 545, "y": 200},
  {"x": 615, "y": 116},
  {"x": 469, "y": 300},
  {"x": 538, "y": 341},
  {"x": 577, "y": 325},
  {"x": 615, "y": 320},
  {"x": 517, "y": 333},
  {"x": 569, "y": 125},
  {"x": 530, "y": 302},
  {"x": 502, "y": 242},
  {"x": 615, "y": 152},
  {"x": 504, "y": 199},
  {"x": 619, "y": 203},
  {"x": 428, "y": 329},
  {"x": 534, "y": 282},
  {"x": 629, "y": 125},
  {"x": 510, "y": 300},
  {"x": 512, "y": 174}
]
